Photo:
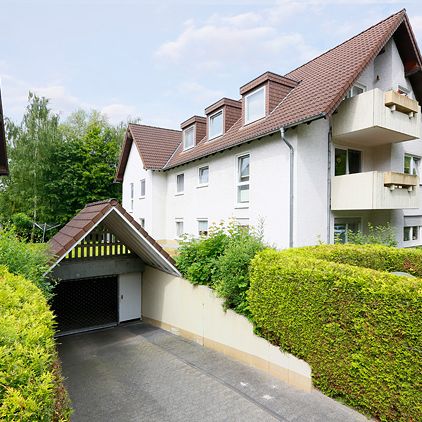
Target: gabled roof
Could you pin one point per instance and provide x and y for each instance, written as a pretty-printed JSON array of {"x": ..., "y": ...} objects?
[
  {"x": 117, "y": 221},
  {"x": 154, "y": 144},
  {"x": 4, "y": 170}
]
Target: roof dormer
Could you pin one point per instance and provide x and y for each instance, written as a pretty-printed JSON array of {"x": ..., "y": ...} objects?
[
  {"x": 194, "y": 129},
  {"x": 221, "y": 116},
  {"x": 261, "y": 95}
]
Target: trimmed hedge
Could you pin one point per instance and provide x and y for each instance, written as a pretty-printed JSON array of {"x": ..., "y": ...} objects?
[
  {"x": 359, "y": 329},
  {"x": 377, "y": 257},
  {"x": 30, "y": 383}
]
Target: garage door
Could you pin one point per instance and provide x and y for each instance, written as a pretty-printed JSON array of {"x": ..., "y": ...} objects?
[{"x": 86, "y": 304}]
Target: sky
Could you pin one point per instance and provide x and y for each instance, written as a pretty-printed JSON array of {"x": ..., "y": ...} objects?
[{"x": 164, "y": 61}]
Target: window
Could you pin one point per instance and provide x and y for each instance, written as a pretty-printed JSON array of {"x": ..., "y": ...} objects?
[
  {"x": 411, "y": 164},
  {"x": 255, "y": 105},
  {"x": 180, "y": 183},
  {"x": 142, "y": 188},
  {"x": 243, "y": 179},
  {"x": 179, "y": 228},
  {"x": 203, "y": 227},
  {"x": 347, "y": 161},
  {"x": 203, "y": 173},
  {"x": 356, "y": 89},
  {"x": 142, "y": 221},
  {"x": 189, "y": 138},
  {"x": 215, "y": 125},
  {"x": 343, "y": 227},
  {"x": 131, "y": 187},
  {"x": 410, "y": 233}
]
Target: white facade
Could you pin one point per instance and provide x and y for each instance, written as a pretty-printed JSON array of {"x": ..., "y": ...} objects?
[{"x": 166, "y": 211}]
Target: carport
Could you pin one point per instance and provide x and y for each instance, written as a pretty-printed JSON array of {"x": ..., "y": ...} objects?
[{"x": 100, "y": 257}]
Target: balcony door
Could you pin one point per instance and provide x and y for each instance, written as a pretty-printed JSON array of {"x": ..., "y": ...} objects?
[{"x": 347, "y": 161}]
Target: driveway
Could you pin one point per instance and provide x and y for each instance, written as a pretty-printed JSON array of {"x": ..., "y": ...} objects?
[{"x": 141, "y": 373}]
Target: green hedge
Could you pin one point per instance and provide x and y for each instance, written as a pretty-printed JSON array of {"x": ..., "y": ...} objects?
[
  {"x": 377, "y": 257},
  {"x": 359, "y": 329},
  {"x": 30, "y": 383}
]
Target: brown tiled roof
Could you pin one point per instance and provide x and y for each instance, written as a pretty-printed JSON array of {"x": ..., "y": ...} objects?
[
  {"x": 3, "y": 158},
  {"x": 221, "y": 103},
  {"x": 86, "y": 219},
  {"x": 267, "y": 76},
  {"x": 155, "y": 146},
  {"x": 324, "y": 82}
]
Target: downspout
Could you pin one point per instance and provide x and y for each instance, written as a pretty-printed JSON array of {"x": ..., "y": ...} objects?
[
  {"x": 291, "y": 185},
  {"x": 330, "y": 143}
]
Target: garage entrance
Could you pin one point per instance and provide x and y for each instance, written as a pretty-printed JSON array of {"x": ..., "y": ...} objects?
[
  {"x": 86, "y": 304},
  {"x": 101, "y": 255}
]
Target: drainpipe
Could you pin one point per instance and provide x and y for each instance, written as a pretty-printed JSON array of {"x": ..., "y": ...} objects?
[
  {"x": 330, "y": 143},
  {"x": 291, "y": 194}
]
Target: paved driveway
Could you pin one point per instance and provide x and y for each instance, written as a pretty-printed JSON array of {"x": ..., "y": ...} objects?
[{"x": 141, "y": 373}]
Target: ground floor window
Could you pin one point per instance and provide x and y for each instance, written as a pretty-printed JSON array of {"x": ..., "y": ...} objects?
[
  {"x": 179, "y": 228},
  {"x": 343, "y": 227},
  {"x": 410, "y": 233},
  {"x": 203, "y": 227},
  {"x": 142, "y": 221}
]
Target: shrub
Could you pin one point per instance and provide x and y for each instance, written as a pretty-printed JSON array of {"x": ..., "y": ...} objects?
[
  {"x": 30, "y": 383},
  {"x": 231, "y": 276},
  {"x": 27, "y": 259},
  {"x": 377, "y": 257},
  {"x": 359, "y": 329},
  {"x": 376, "y": 235}
]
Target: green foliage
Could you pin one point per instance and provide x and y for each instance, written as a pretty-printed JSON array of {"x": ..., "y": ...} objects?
[
  {"x": 30, "y": 383},
  {"x": 27, "y": 259},
  {"x": 22, "y": 225},
  {"x": 377, "y": 257},
  {"x": 376, "y": 235},
  {"x": 359, "y": 329}
]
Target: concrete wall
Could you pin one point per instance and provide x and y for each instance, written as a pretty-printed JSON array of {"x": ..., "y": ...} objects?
[{"x": 196, "y": 313}]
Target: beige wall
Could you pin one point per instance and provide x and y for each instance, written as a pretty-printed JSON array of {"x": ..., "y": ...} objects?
[{"x": 196, "y": 313}]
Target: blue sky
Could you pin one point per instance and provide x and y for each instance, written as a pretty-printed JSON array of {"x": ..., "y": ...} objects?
[{"x": 164, "y": 61}]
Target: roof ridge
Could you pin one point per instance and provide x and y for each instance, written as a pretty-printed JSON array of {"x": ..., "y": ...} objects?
[
  {"x": 154, "y": 127},
  {"x": 402, "y": 11}
]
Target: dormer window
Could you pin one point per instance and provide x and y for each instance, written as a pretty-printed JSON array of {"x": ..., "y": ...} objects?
[
  {"x": 255, "y": 105},
  {"x": 189, "y": 138},
  {"x": 215, "y": 125}
]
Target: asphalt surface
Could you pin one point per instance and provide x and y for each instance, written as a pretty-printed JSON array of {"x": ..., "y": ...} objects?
[{"x": 141, "y": 373}]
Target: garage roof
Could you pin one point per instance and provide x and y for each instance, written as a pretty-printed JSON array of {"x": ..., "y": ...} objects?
[{"x": 117, "y": 221}]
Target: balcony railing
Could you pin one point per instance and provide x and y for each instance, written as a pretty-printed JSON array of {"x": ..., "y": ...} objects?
[
  {"x": 376, "y": 118},
  {"x": 374, "y": 190}
]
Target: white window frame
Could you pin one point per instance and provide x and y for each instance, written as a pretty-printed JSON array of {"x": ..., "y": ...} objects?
[
  {"x": 239, "y": 183},
  {"x": 412, "y": 231},
  {"x": 262, "y": 88},
  {"x": 177, "y": 186},
  {"x": 131, "y": 195},
  {"x": 192, "y": 127},
  {"x": 144, "y": 183},
  {"x": 357, "y": 85},
  {"x": 203, "y": 185},
  {"x": 345, "y": 148},
  {"x": 201, "y": 220},
  {"x": 177, "y": 222},
  {"x": 415, "y": 163},
  {"x": 210, "y": 117}
]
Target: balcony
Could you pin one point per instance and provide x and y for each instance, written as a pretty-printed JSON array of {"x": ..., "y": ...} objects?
[
  {"x": 374, "y": 190},
  {"x": 376, "y": 118}
]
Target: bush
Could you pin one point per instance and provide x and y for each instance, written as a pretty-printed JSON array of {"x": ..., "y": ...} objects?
[
  {"x": 376, "y": 257},
  {"x": 376, "y": 235},
  {"x": 359, "y": 329},
  {"x": 30, "y": 383},
  {"x": 31, "y": 260}
]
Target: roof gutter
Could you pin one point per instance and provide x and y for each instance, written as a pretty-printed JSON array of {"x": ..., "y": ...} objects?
[{"x": 291, "y": 185}]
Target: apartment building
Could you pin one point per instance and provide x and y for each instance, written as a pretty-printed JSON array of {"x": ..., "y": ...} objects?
[{"x": 329, "y": 147}]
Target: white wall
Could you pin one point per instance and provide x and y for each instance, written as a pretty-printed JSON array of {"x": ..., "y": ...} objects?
[{"x": 196, "y": 313}]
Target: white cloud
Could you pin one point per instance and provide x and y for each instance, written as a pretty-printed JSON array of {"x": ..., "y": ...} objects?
[
  {"x": 199, "y": 93},
  {"x": 118, "y": 112}
]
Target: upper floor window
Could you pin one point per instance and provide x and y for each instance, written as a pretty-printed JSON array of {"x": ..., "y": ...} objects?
[
  {"x": 356, "y": 89},
  {"x": 132, "y": 192},
  {"x": 179, "y": 228},
  {"x": 255, "y": 105},
  {"x": 215, "y": 125},
  {"x": 203, "y": 173},
  {"x": 189, "y": 137},
  {"x": 142, "y": 195},
  {"x": 243, "y": 179},
  {"x": 180, "y": 183},
  {"x": 203, "y": 227},
  {"x": 411, "y": 164},
  {"x": 347, "y": 161}
]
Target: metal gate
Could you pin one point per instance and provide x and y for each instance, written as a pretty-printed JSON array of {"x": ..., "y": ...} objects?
[{"x": 81, "y": 305}]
